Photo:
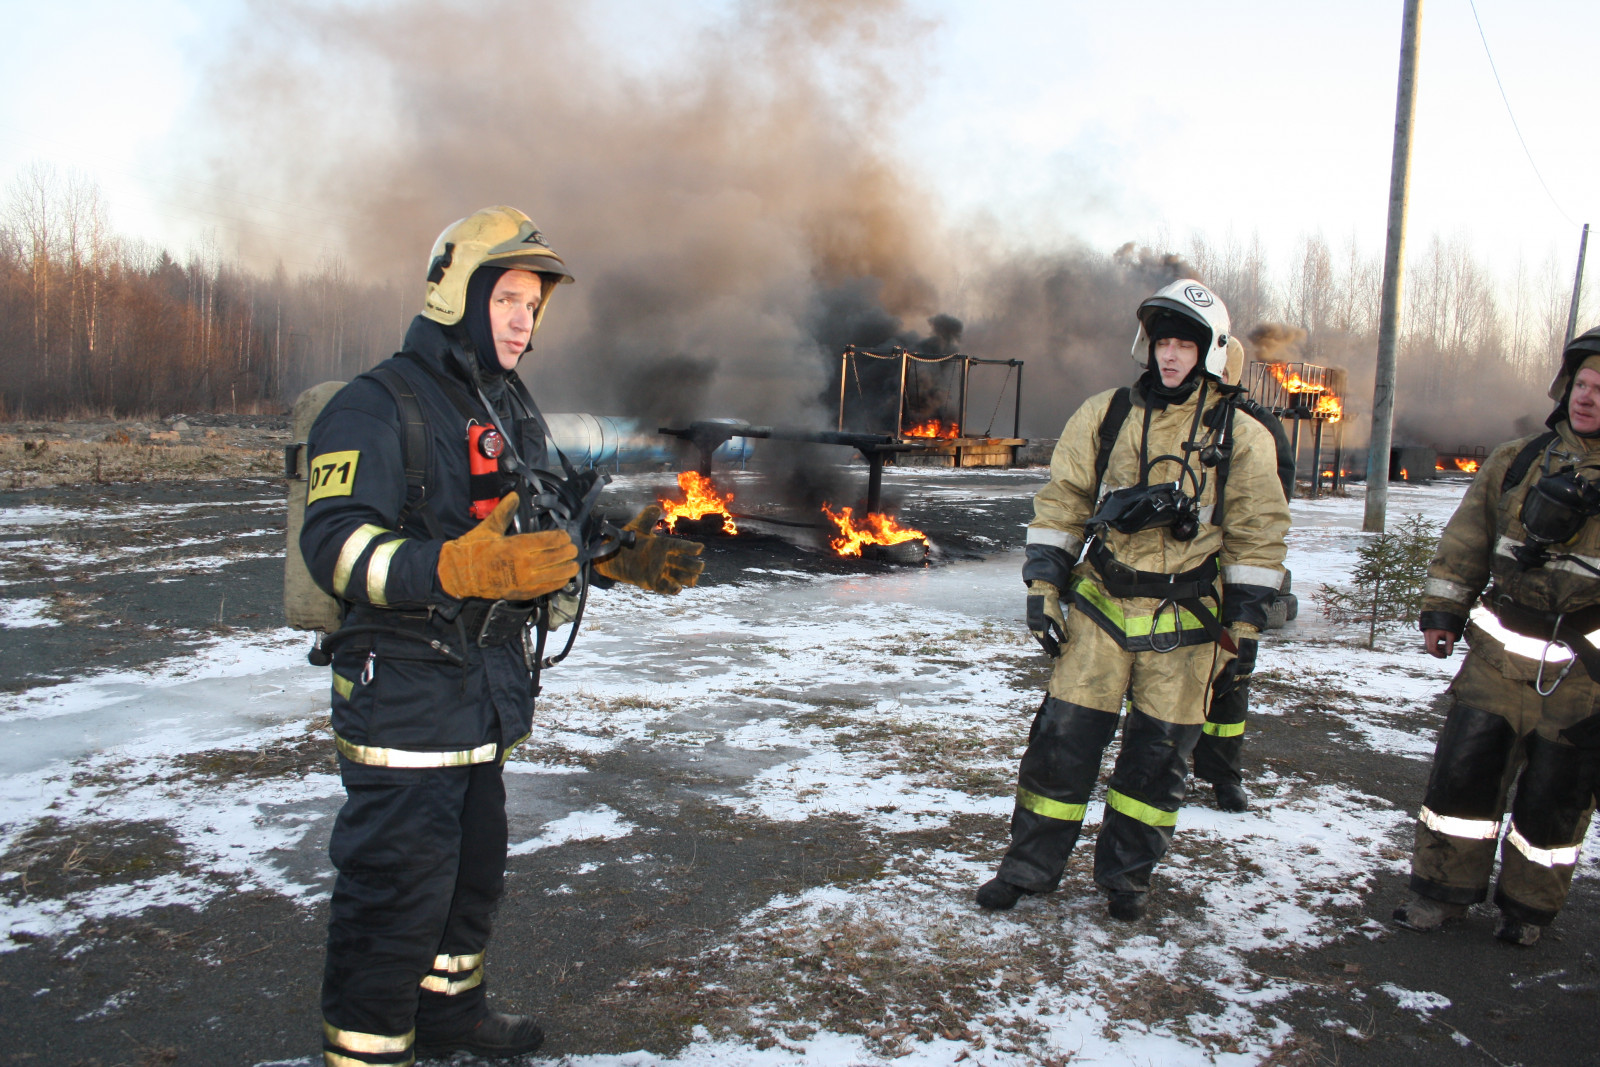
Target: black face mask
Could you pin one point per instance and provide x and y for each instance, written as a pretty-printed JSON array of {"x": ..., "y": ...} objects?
[{"x": 1158, "y": 395}]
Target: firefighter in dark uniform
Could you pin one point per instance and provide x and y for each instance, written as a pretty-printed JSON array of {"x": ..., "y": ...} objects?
[
  {"x": 434, "y": 666},
  {"x": 1219, "y": 753},
  {"x": 1163, "y": 490},
  {"x": 1523, "y": 705}
]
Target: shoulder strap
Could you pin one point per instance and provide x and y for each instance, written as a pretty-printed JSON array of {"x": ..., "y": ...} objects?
[
  {"x": 1519, "y": 466},
  {"x": 1280, "y": 441},
  {"x": 416, "y": 444},
  {"x": 1110, "y": 427}
]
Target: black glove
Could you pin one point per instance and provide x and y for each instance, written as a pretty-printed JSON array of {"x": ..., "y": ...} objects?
[
  {"x": 1237, "y": 671},
  {"x": 1046, "y": 621}
]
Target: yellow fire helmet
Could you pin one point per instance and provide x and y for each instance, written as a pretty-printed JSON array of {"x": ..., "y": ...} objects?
[
  {"x": 1580, "y": 348},
  {"x": 1193, "y": 301},
  {"x": 496, "y": 236}
]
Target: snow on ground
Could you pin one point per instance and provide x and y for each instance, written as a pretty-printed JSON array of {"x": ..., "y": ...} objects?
[{"x": 897, "y": 700}]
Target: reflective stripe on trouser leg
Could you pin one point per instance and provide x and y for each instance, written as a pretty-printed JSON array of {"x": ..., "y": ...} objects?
[
  {"x": 1054, "y": 780},
  {"x": 1453, "y": 853},
  {"x": 351, "y": 1048},
  {"x": 453, "y": 994},
  {"x": 1142, "y": 801},
  {"x": 1555, "y": 795},
  {"x": 396, "y": 845},
  {"x": 1218, "y": 752}
]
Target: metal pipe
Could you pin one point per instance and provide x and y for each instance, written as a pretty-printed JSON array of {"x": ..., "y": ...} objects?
[
  {"x": 966, "y": 371},
  {"x": 900, "y": 414},
  {"x": 1295, "y": 444},
  {"x": 1316, "y": 460},
  {"x": 1016, "y": 412},
  {"x": 874, "y": 481},
  {"x": 844, "y": 360}
]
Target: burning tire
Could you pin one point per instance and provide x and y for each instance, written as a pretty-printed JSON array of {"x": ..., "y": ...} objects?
[
  {"x": 912, "y": 551},
  {"x": 712, "y": 525}
]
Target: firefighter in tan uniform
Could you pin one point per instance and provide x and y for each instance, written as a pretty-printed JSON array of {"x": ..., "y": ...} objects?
[
  {"x": 1156, "y": 494},
  {"x": 1525, "y": 700}
]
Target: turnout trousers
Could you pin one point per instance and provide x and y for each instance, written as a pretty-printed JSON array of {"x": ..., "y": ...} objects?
[
  {"x": 1500, "y": 734},
  {"x": 421, "y": 856},
  {"x": 1167, "y": 702},
  {"x": 1219, "y": 753}
]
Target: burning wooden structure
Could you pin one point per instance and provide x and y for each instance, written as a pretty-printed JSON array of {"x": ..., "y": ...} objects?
[
  {"x": 1300, "y": 392},
  {"x": 907, "y": 396}
]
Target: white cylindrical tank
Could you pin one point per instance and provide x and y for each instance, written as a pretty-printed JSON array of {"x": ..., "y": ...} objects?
[{"x": 610, "y": 440}]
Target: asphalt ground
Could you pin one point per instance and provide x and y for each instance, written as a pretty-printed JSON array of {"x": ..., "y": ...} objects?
[{"x": 236, "y": 982}]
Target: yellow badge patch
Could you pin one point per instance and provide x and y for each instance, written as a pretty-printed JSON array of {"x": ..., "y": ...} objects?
[{"x": 332, "y": 474}]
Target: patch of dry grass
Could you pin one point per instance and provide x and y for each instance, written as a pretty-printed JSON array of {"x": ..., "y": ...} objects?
[
  {"x": 53, "y": 860},
  {"x": 293, "y": 757},
  {"x": 40, "y": 462}
]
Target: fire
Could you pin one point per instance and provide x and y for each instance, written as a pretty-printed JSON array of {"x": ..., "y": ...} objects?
[
  {"x": 1329, "y": 408},
  {"x": 934, "y": 428},
  {"x": 875, "y": 529},
  {"x": 1468, "y": 465},
  {"x": 1405, "y": 475},
  {"x": 1292, "y": 382},
  {"x": 701, "y": 498}
]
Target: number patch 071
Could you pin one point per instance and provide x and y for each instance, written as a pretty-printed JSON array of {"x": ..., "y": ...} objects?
[{"x": 332, "y": 474}]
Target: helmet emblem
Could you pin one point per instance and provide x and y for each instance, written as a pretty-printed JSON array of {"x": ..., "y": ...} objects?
[
  {"x": 1198, "y": 295},
  {"x": 535, "y": 238}
]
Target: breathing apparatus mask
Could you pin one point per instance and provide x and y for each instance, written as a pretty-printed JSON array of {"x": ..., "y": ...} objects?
[
  {"x": 1148, "y": 507},
  {"x": 1554, "y": 512}
]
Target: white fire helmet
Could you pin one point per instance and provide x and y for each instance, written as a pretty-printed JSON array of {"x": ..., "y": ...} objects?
[
  {"x": 497, "y": 237},
  {"x": 1193, "y": 301}
]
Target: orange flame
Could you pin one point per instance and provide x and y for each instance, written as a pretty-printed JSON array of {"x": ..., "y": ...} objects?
[
  {"x": 1405, "y": 475},
  {"x": 875, "y": 529},
  {"x": 933, "y": 428},
  {"x": 1468, "y": 465},
  {"x": 701, "y": 498},
  {"x": 1329, "y": 408},
  {"x": 1292, "y": 382}
]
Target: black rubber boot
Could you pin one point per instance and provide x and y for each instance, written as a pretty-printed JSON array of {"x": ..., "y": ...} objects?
[
  {"x": 1425, "y": 914},
  {"x": 999, "y": 895},
  {"x": 1231, "y": 797},
  {"x": 1517, "y": 932},
  {"x": 496, "y": 1035},
  {"x": 1127, "y": 907}
]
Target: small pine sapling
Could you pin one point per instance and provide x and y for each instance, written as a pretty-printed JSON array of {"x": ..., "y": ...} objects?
[{"x": 1386, "y": 586}]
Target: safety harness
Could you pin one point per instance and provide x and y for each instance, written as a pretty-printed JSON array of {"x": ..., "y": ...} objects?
[
  {"x": 1565, "y": 631},
  {"x": 1184, "y": 591}
]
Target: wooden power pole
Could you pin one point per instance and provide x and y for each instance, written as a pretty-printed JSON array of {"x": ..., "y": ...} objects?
[{"x": 1394, "y": 255}]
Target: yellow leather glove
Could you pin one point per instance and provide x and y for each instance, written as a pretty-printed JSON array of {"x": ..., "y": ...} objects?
[
  {"x": 655, "y": 562},
  {"x": 484, "y": 562}
]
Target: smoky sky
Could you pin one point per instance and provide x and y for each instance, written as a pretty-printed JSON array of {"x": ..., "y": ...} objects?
[{"x": 735, "y": 214}]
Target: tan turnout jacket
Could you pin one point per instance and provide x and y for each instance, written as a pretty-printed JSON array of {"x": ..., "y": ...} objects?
[
  {"x": 1255, "y": 515},
  {"x": 1475, "y": 550}
]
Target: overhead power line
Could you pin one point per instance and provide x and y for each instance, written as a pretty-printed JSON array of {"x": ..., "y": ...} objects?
[{"x": 1482, "y": 37}]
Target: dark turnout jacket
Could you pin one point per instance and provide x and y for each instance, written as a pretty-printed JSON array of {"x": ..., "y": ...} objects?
[{"x": 399, "y": 700}]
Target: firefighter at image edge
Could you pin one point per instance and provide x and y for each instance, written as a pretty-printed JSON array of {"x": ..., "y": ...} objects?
[
  {"x": 1162, "y": 491},
  {"x": 433, "y": 679},
  {"x": 1523, "y": 705}
]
